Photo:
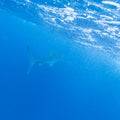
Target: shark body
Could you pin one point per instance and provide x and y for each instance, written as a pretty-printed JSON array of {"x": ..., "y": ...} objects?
[{"x": 49, "y": 60}]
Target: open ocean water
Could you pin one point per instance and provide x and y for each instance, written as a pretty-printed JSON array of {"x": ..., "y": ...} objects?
[{"x": 59, "y": 60}]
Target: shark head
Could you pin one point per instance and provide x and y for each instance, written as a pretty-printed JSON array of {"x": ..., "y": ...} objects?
[{"x": 50, "y": 60}]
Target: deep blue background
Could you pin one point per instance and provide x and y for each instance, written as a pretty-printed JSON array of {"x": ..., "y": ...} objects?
[{"x": 84, "y": 86}]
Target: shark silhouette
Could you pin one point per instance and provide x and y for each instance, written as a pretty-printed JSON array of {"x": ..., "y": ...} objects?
[{"x": 49, "y": 60}]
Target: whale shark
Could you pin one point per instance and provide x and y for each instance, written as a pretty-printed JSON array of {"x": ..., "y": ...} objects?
[{"x": 49, "y": 60}]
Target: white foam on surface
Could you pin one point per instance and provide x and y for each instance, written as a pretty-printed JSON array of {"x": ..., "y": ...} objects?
[{"x": 93, "y": 24}]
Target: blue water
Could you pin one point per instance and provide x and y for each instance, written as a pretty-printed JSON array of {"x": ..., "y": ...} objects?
[{"x": 83, "y": 84}]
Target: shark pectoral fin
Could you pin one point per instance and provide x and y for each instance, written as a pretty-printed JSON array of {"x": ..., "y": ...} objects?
[{"x": 51, "y": 64}]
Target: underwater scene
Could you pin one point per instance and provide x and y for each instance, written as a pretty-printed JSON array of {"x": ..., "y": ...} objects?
[{"x": 59, "y": 60}]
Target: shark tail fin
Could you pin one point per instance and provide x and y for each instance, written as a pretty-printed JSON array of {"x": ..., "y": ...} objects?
[{"x": 31, "y": 59}]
